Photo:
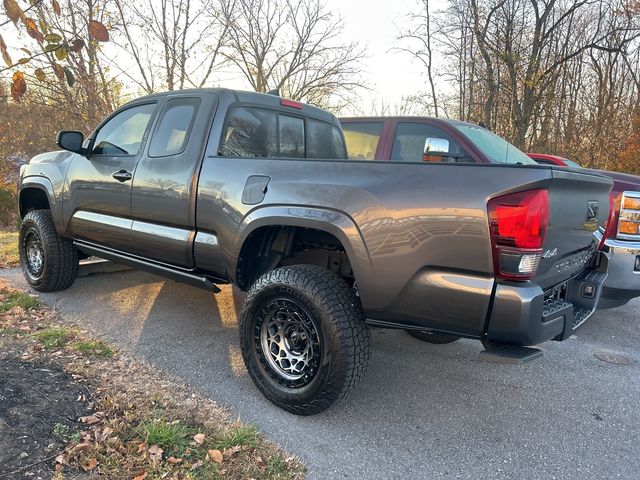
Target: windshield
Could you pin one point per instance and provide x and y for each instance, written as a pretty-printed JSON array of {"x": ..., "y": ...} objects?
[
  {"x": 571, "y": 163},
  {"x": 497, "y": 149}
]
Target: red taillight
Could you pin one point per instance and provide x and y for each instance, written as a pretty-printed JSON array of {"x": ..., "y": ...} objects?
[
  {"x": 285, "y": 102},
  {"x": 518, "y": 223},
  {"x": 612, "y": 222}
]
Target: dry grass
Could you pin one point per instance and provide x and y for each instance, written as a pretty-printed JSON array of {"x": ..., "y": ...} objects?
[
  {"x": 9, "y": 249},
  {"x": 145, "y": 423}
]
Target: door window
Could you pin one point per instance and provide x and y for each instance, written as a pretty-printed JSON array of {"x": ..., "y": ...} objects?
[
  {"x": 362, "y": 139},
  {"x": 172, "y": 133},
  {"x": 123, "y": 133},
  {"x": 421, "y": 142}
]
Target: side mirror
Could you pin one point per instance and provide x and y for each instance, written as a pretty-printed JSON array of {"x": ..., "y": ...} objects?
[
  {"x": 72, "y": 141},
  {"x": 436, "y": 145}
]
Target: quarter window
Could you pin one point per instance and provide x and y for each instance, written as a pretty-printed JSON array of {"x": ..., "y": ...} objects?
[
  {"x": 123, "y": 133},
  {"x": 410, "y": 142},
  {"x": 172, "y": 133},
  {"x": 362, "y": 139}
]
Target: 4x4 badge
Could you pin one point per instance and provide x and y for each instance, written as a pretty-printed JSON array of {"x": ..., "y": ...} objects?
[
  {"x": 550, "y": 253},
  {"x": 593, "y": 210}
]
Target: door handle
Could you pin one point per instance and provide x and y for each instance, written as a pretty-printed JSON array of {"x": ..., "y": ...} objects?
[{"x": 122, "y": 175}]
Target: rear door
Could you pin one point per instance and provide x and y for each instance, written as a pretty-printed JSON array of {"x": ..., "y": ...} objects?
[{"x": 165, "y": 182}]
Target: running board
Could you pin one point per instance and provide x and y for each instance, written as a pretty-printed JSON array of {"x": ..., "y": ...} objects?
[
  {"x": 512, "y": 354},
  {"x": 162, "y": 270}
]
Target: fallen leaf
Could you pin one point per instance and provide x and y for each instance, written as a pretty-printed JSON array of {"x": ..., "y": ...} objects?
[
  {"x": 142, "y": 447},
  {"x": 215, "y": 455},
  {"x": 90, "y": 419},
  {"x": 90, "y": 464},
  {"x": 199, "y": 438},
  {"x": 227, "y": 452},
  {"x": 173, "y": 460},
  {"x": 198, "y": 464},
  {"x": 140, "y": 475},
  {"x": 155, "y": 453},
  {"x": 61, "y": 459}
]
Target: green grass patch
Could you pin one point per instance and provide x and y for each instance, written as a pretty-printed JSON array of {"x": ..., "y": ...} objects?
[
  {"x": 242, "y": 435},
  {"x": 64, "y": 433},
  {"x": 10, "y": 331},
  {"x": 53, "y": 337},
  {"x": 9, "y": 257},
  {"x": 172, "y": 437},
  {"x": 18, "y": 299},
  {"x": 94, "y": 347}
]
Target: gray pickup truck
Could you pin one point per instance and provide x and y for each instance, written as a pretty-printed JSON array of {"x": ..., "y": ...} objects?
[{"x": 217, "y": 186}]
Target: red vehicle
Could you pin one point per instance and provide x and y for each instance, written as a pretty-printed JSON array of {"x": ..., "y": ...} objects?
[
  {"x": 411, "y": 139},
  {"x": 622, "y": 237}
]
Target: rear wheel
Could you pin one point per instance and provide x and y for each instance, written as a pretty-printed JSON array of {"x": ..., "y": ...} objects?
[
  {"x": 49, "y": 262},
  {"x": 303, "y": 338},
  {"x": 432, "y": 337}
]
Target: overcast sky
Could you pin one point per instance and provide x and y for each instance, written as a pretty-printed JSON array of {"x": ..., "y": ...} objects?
[{"x": 375, "y": 24}]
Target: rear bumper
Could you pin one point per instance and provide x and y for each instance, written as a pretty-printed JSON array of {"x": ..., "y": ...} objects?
[
  {"x": 526, "y": 315},
  {"x": 623, "y": 283}
]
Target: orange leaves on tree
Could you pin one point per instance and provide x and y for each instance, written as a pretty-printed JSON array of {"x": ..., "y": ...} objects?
[
  {"x": 14, "y": 12},
  {"x": 5, "y": 53},
  {"x": 98, "y": 31},
  {"x": 77, "y": 45},
  {"x": 56, "y": 7},
  {"x": 19, "y": 86},
  {"x": 32, "y": 29}
]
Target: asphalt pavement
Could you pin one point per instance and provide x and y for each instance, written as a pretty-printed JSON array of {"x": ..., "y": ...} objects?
[{"x": 423, "y": 411}]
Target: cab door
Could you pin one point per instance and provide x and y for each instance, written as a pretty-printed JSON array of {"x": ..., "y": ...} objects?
[
  {"x": 97, "y": 202},
  {"x": 165, "y": 183}
]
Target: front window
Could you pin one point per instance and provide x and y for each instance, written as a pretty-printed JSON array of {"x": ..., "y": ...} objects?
[
  {"x": 123, "y": 133},
  {"x": 497, "y": 149}
]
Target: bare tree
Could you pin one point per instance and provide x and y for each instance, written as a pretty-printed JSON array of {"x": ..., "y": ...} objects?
[
  {"x": 174, "y": 44},
  {"x": 294, "y": 47}
]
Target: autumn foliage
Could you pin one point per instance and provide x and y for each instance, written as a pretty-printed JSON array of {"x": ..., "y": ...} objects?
[{"x": 629, "y": 158}]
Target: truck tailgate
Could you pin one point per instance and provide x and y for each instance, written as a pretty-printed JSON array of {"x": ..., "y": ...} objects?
[{"x": 578, "y": 204}]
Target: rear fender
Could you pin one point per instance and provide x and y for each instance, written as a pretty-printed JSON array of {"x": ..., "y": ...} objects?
[{"x": 336, "y": 223}]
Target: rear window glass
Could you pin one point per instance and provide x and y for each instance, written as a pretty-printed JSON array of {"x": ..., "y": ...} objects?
[
  {"x": 362, "y": 139},
  {"x": 259, "y": 132},
  {"x": 291, "y": 136},
  {"x": 324, "y": 140},
  {"x": 171, "y": 134},
  {"x": 250, "y": 132}
]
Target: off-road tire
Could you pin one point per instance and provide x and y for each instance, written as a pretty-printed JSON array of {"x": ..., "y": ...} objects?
[
  {"x": 430, "y": 337},
  {"x": 343, "y": 337},
  {"x": 60, "y": 265}
]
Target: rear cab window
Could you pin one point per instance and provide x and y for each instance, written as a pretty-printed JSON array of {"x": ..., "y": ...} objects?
[
  {"x": 362, "y": 139},
  {"x": 261, "y": 132},
  {"x": 422, "y": 142}
]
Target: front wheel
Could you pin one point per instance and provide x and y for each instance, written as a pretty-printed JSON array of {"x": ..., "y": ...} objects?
[
  {"x": 303, "y": 337},
  {"x": 49, "y": 262}
]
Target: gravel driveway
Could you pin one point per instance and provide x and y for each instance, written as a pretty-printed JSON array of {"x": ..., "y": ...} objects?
[{"x": 423, "y": 411}]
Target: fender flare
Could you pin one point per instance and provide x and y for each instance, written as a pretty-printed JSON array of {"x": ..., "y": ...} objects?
[
  {"x": 43, "y": 184},
  {"x": 331, "y": 221}
]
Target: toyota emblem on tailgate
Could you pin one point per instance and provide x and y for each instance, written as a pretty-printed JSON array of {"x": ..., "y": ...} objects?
[{"x": 592, "y": 214}]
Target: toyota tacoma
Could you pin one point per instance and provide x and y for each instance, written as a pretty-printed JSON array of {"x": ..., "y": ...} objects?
[{"x": 218, "y": 186}]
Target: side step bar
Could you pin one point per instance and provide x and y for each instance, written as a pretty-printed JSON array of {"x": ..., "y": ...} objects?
[
  {"x": 512, "y": 354},
  {"x": 162, "y": 270}
]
